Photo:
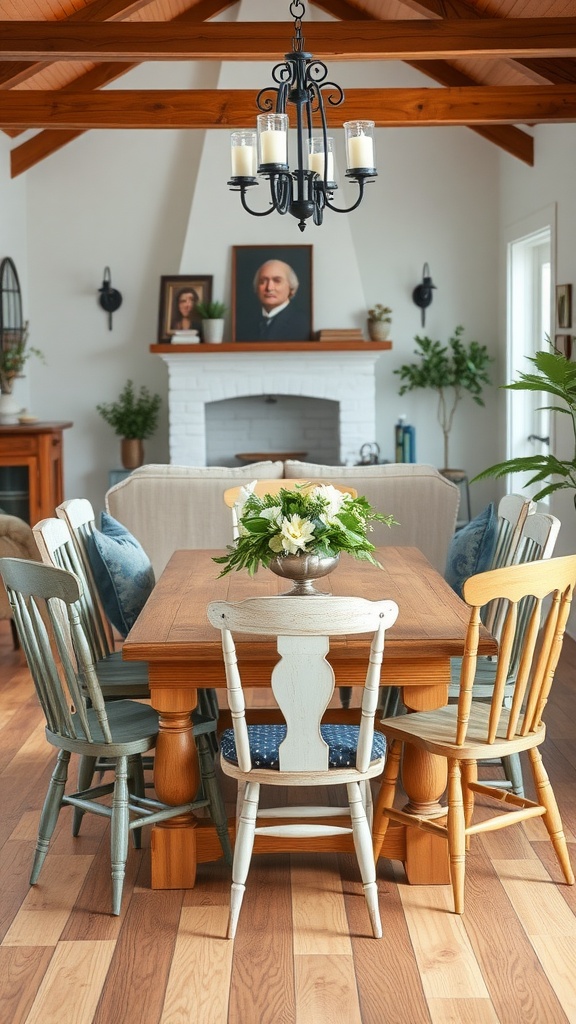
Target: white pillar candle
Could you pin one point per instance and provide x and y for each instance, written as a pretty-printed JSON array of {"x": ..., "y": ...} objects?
[
  {"x": 243, "y": 161},
  {"x": 360, "y": 151},
  {"x": 273, "y": 147},
  {"x": 316, "y": 163}
]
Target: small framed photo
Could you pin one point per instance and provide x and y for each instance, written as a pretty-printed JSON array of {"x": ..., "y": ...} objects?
[
  {"x": 179, "y": 297},
  {"x": 272, "y": 293},
  {"x": 563, "y": 344},
  {"x": 564, "y": 305}
]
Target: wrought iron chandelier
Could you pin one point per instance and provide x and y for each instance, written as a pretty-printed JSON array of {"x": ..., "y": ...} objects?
[{"x": 307, "y": 190}]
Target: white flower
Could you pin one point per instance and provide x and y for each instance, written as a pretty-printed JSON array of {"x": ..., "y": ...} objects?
[
  {"x": 243, "y": 495},
  {"x": 334, "y": 498},
  {"x": 273, "y": 514},
  {"x": 294, "y": 535}
]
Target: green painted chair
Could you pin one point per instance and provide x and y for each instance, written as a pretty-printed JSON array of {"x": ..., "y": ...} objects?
[
  {"x": 120, "y": 679},
  {"x": 78, "y": 719}
]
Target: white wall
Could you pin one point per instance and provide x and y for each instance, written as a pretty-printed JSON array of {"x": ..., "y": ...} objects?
[{"x": 124, "y": 199}]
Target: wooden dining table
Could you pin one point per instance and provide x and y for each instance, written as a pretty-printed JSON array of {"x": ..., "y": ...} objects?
[{"x": 184, "y": 653}]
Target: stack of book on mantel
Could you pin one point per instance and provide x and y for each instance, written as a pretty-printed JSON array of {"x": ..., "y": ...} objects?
[{"x": 340, "y": 334}]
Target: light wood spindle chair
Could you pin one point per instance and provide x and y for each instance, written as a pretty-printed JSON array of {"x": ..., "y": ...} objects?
[
  {"x": 302, "y": 752},
  {"x": 472, "y": 731},
  {"x": 120, "y": 679},
  {"x": 78, "y": 719}
]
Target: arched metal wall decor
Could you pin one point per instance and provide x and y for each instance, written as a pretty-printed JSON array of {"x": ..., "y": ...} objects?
[{"x": 11, "y": 323}]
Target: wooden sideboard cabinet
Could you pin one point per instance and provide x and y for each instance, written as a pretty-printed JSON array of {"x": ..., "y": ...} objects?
[{"x": 38, "y": 447}]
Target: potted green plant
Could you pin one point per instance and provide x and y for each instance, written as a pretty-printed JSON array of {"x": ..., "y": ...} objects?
[
  {"x": 379, "y": 320},
  {"x": 450, "y": 370},
  {"x": 133, "y": 417},
  {"x": 555, "y": 376},
  {"x": 13, "y": 358},
  {"x": 212, "y": 314}
]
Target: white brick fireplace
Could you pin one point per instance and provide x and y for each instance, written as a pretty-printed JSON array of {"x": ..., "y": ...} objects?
[{"x": 214, "y": 374}]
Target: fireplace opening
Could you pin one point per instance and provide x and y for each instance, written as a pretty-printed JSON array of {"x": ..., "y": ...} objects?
[{"x": 272, "y": 424}]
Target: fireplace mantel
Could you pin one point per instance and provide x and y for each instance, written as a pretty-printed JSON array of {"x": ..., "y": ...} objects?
[
  {"x": 342, "y": 372},
  {"x": 274, "y": 346}
]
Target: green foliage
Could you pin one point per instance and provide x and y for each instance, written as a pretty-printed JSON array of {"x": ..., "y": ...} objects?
[
  {"x": 381, "y": 313},
  {"x": 450, "y": 370},
  {"x": 211, "y": 310},
  {"x": 13, "y": 356},
  {"x": 312, "y": 518},
  {"x": 132, "y": 415},
  {"x": 556, "y": 376}
]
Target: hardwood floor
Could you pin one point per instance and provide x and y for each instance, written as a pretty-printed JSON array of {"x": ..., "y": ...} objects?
[{"x": 303, "y": 954}]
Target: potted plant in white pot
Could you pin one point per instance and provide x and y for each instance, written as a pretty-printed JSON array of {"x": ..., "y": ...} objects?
[
  {"x": 133, "y": 417},
  {"x": 450, "y": 370},
  {"x": 212, "y": 314}
]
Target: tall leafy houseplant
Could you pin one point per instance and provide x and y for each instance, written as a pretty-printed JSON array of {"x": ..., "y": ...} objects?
[
  {"x": 133, "y": 417},
  {"x": 555, "y": 376},
  {"x": 450, "y": 370}
]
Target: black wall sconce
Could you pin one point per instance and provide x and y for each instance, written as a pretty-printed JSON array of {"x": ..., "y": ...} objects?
[
  {"x": 110, "y": 299},
  {"x": 422, "y": 294}
]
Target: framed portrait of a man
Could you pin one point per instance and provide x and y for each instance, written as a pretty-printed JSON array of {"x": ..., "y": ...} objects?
[
  {"x": 179, "y": 297},
  {"x": 272, "y": 293}
]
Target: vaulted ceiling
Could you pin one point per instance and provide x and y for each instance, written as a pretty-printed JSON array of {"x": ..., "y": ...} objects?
[{"x": 501, "y": 64}]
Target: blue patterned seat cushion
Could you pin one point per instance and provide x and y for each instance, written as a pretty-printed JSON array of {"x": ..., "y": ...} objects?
[{"x": 264, "y": 741}]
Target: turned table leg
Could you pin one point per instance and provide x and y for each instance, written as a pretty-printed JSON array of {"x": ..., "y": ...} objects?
[
  {"x": 176, "y": 781},
  {"x": 424, "y": 778}
]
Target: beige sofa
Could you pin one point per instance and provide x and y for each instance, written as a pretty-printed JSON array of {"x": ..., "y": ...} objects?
[
  {"x": 16, "y": 541},
  {"x": 172, "y": 507}
]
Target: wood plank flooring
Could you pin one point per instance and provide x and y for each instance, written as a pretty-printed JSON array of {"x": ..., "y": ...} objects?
[{"x": 303, "y": 954}]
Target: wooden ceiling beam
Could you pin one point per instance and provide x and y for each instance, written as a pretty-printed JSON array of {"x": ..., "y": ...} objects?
[
  {"x": 14, "y": 72},
  {"x": 207, "y": 108},
  {"x": 350, "y": 40},
  {"x": 558, "y": 71}
]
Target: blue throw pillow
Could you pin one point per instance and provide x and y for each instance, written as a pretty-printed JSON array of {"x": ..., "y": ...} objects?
[
  {"x": 122, "y": 572},
  {"x": 472, "y": 548}
]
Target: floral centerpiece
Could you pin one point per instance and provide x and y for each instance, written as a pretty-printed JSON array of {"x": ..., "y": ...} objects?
[{"x": 312, "y": 520}]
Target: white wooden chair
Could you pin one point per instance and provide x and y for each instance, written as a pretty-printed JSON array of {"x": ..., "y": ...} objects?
[
  {"x": 472, "y": 731},
  {"x": 302, "y": 752}
]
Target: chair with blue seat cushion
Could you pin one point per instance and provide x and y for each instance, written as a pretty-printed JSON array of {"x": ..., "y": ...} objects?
[
  {"x": 302, "y": 751},
  {"x": 78, "y": 719}
]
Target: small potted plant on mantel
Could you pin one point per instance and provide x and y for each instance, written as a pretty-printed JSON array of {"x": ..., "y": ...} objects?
[
  {"x": 133, "y": 417},
  {"x": 212, "y": 314},
  {"x": 379, "y": 321}
]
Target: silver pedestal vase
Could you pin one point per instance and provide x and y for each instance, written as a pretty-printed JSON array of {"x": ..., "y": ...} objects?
[{"x": 303, "y": 570}]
